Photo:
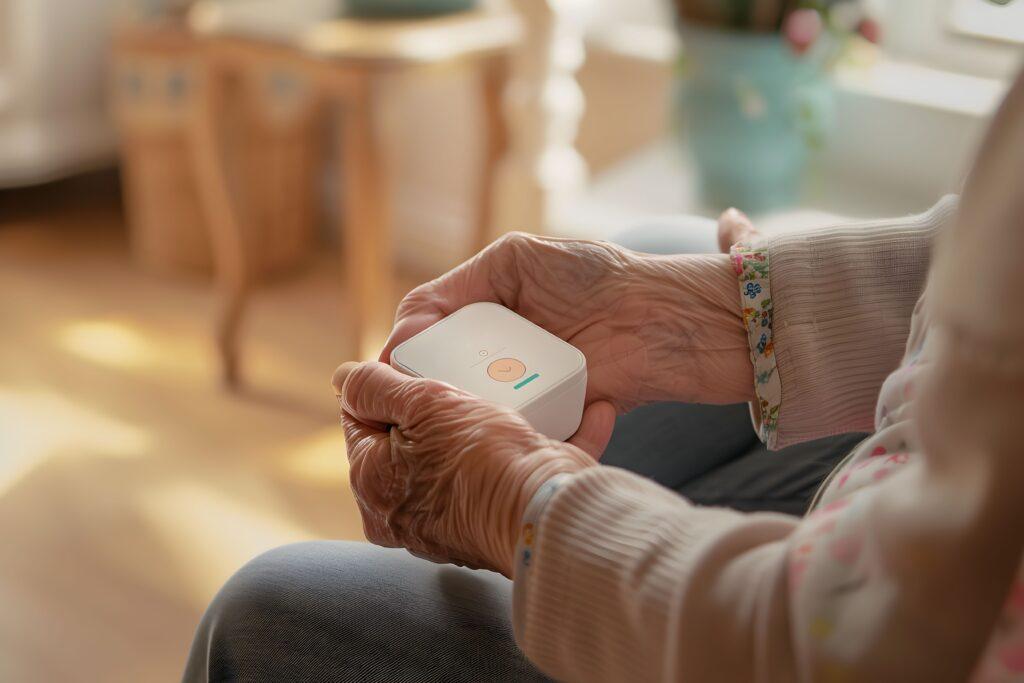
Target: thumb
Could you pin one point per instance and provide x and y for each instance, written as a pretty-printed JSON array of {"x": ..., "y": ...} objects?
[
  {"x": 734, "y": 226},
  {"x": 595, "y": 429},
  {"x": 406, "y": 328},
  {"x": 376, "y": 393}
]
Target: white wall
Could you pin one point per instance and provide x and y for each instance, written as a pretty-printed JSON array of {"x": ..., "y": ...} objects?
[{"x": 52, "y": 116}]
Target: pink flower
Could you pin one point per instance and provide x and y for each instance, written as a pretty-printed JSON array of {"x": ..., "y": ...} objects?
[
  {"x": 836, "y": 505},
  {"x": 802, "y": 28},
  {"x": 846, "y": 548},
  {"x": 871, "y": 30}
]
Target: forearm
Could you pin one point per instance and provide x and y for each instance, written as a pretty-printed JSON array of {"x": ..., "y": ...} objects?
[{"x": 692, "y": 329}]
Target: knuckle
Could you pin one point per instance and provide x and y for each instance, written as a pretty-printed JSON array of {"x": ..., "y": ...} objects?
[
  {"x": 376, "y": 531},
  {"x": 512, "y": 241},
  {"x": 417, "y": 297}
]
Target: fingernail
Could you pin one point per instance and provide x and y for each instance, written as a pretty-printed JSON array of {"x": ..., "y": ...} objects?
[
  {"x": 735, "y": 214},
  {"x": 340, "y": 374}
]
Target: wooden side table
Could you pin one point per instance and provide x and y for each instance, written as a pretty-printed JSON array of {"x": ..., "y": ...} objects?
[{"x": 341, "y": 62}]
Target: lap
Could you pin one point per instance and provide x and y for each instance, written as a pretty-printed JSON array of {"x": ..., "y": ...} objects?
[
  {"x": 674, "y": 443},
  {"x": 355, "y": 612},
  {"x": 711, "y": 455}
]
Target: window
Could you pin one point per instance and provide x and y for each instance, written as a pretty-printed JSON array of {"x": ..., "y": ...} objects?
[
  {"x": 984, "y": 19},
  {"x": 976, "y": 37}
]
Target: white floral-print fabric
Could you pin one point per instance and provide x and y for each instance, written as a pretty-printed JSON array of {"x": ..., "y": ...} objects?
[{"x": 752, "y": 267}]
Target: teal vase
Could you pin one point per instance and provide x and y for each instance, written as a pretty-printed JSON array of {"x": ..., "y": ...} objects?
[{"x": 751, "y": 112}]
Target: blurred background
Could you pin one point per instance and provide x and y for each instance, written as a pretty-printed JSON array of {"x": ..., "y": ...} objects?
[{"x": 206, "y": 206}]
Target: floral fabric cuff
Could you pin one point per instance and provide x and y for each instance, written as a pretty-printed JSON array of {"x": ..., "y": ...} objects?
[{"x": 751, "y": 266}]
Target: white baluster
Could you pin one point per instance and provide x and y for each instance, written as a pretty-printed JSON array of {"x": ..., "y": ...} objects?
[{"x": 542, "y": 171}]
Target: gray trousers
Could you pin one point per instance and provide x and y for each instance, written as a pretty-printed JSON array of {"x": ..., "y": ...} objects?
[{"x": 337, "y": 611}]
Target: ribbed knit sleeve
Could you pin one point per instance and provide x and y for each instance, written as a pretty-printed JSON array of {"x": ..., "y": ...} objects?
[
  {"x": 843, "y": 297},
  {"x": 617, "y": 557}
]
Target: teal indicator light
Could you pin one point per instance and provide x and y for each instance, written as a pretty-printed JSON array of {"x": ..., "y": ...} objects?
[{"x": 527, "y": 380}]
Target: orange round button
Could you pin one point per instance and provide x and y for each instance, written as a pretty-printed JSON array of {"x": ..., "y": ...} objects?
[{"x": 506, "y": 369}]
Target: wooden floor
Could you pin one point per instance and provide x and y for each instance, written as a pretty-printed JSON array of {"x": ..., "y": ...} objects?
[{"x": 131, "y": 484}]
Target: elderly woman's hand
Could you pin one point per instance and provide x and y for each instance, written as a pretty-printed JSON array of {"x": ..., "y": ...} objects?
[
  {"x": 652, "y": 327},
  {"x": 443, "y": 473}
]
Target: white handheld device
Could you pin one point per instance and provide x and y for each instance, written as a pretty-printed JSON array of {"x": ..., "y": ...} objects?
[{"x": 488, "y": 350}]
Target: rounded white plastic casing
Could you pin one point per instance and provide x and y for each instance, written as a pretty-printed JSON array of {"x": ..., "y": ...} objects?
[{"x": 496, "y": 354}]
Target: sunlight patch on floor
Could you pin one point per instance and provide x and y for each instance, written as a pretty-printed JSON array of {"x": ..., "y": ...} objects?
[
  {"x": 319, "y": 459},
  {"x": 208, "y": 534},
  {"x": 108, "y": 343},
  {"x": 40, "y": 424},
  {"x": 123, "y": 345}
]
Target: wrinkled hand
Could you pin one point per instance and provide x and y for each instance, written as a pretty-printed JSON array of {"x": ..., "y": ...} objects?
[
  {"x": 443, "y": 473},
  {"x": 652, "y": 327}
]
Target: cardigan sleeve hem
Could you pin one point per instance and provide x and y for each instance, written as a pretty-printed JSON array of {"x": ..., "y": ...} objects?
[{"x": 842, "y": 299}]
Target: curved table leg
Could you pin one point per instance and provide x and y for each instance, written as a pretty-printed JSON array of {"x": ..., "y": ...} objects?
[{"x": 223, "y": 212}]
